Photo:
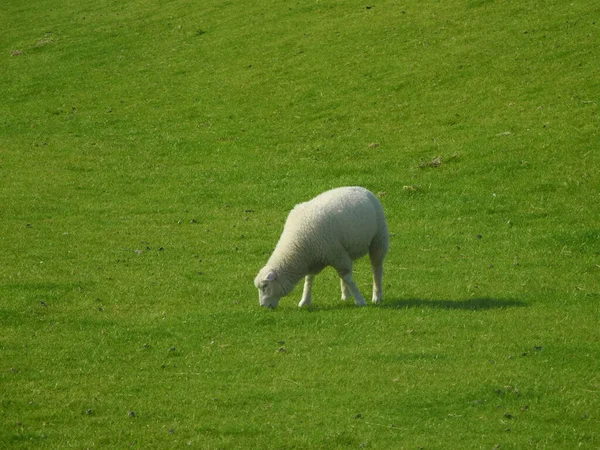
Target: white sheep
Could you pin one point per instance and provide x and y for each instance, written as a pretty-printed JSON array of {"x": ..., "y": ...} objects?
[{"x": 332, "y": 229}]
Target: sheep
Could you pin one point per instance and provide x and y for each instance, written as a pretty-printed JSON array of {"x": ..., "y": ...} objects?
[{"x": 333, "y": 229}]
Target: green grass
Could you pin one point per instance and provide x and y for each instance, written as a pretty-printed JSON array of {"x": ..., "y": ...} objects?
[{"x": 150, "y": 152}]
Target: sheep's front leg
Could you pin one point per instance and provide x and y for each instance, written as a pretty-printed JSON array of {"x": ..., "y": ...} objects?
[{"x": 306, "y": 294}]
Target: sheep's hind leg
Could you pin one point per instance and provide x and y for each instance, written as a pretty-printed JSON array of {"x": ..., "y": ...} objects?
[
  {"x": 377, "y": 279},
  {"x": 306, "y": 293},
  {"x": 377, "y": 253},
  {"x": 358, "y": 298},
  {"x": 345, "y": 274},
  {"x": 345, "y": 291}
]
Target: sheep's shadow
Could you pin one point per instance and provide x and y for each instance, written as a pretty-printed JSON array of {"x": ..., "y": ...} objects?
[{"x": 473, "y": 304}]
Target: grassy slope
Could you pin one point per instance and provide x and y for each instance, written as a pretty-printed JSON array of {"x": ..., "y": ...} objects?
[{"x": 150, "y": 153}]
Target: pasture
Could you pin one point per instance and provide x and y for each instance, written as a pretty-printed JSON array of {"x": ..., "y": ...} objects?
[{"x": 150, "y": 152}]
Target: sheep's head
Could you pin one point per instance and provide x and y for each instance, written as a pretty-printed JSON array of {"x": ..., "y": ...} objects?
[{"x": 270, "y": 289}]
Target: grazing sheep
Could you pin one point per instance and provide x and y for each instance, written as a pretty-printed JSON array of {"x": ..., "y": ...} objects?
[{"x": 332, "y": 229}]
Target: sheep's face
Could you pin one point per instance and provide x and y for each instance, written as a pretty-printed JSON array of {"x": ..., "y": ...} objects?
[{"x": 269, "y": 289}]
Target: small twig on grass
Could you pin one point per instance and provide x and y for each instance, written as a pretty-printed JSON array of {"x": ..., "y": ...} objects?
[{"x": 435, "y": 162}]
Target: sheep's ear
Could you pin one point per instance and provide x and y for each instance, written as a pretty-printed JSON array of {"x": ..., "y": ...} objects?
[{"x": 271, "y": 276}]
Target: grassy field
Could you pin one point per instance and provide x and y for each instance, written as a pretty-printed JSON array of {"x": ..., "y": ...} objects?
[{"x": 150, "y": 152}]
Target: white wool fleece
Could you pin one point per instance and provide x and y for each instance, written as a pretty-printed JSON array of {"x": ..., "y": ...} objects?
[{"x": 332, "y": 229}]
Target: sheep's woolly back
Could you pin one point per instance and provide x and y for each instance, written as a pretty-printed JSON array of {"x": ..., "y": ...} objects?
[{"x": 338, "y": 223}]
